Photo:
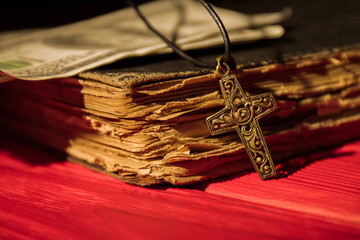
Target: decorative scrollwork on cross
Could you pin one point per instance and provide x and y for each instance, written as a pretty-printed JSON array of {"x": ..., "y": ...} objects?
[{"x": 241, "y": 113}]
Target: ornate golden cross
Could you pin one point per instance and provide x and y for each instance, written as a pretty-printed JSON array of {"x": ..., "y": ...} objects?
[{"x": 242, "y": 113}]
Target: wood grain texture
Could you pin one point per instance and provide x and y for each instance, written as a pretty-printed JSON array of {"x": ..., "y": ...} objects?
[{"x": 316, "y": 197}]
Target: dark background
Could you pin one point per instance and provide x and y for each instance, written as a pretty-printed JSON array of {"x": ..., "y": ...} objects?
[
  {"x": 315, "y": 25},
  {"x": 33, "y": 14},
  {"x": 30, "y": 14}
]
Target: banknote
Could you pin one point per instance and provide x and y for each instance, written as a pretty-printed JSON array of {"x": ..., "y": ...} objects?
[{"x": 67, "y": 50}]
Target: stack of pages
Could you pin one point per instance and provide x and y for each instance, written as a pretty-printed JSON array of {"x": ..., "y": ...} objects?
[{"x": 150, "y": 127}]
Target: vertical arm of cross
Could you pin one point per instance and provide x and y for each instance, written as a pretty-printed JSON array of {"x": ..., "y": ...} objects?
[{"x": 255, "y": 145}]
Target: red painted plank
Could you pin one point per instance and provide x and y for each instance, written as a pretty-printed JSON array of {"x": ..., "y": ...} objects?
[
  {"x": 44, "y": 198},
  {"x": 327, "y": 186}
]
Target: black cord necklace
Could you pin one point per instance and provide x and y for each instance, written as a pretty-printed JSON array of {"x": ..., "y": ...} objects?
[
  {"x": 241, "y": 112},
  {"x": 226, "y": 58}
]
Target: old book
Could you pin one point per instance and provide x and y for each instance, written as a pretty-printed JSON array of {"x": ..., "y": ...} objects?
[
  {"x": 146, "y": 124},
  {"x": 147, "y": 128}
]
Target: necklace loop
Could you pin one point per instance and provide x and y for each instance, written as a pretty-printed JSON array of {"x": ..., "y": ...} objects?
[
  {"x": 227, "y": 58},
  {"x": 220, "y": 70}
]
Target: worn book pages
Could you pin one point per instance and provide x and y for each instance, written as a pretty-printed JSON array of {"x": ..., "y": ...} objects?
[
  {"x": 70, "y": 49},
  {"x": 149, "y": 127}
]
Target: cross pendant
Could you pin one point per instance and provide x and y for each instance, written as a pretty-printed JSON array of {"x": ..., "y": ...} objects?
[{"x": 242, "y": 113}]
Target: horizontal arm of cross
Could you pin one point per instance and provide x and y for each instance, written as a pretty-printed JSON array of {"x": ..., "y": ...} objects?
[{"x": 221, "y": 122}]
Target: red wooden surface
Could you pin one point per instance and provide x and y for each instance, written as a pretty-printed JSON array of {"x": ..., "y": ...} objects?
[{"x": 44, "y": 198}]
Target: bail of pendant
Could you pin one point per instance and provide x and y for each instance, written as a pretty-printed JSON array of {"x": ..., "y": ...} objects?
[{"x": 223, "y": 67}]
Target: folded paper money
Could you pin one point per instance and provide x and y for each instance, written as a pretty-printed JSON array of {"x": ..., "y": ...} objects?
[{"x": 67, "y": 50}]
